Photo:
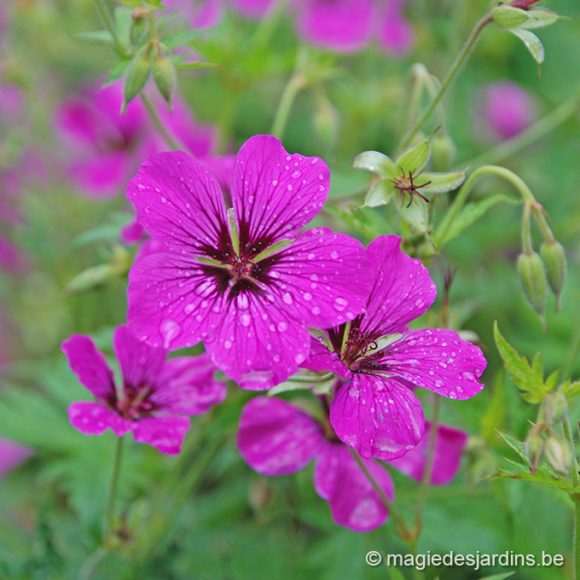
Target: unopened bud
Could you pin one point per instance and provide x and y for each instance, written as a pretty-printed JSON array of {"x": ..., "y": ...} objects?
[
  {"x": 555, "y": 407},
  {"x": 533, "y": 280},
  {"x": 554, "y": 259},
  {"x": 442, "y": 152},
  {"x": 165, "y": 77},
  {"x": 508, "y": 16},
  {"x": 534, "y": 447},
  {"x": 558, "y": 453},
  {"x": 137, "y": 75}
]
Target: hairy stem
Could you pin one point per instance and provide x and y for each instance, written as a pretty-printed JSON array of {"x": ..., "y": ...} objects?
[{"x": 455, "y": 68}]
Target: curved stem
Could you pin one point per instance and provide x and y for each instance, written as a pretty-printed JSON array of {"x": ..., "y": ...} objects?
[
  {"x": 532, "y": 134},
  {"x": 171, "y": 142},
  {"x": 527, "y": 246},
  {"x": 455, "y": 68},
  {"x": 293, "y": 87},
  {"x": 440, "y": 235},
  {"x": 113, "y": 486},
  {"x": 105, "y": 14}
]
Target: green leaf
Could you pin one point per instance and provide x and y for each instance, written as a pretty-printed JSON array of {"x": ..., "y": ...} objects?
[
  {"x": 179, "y": 39},
  {"x": 440, "y": 182},
  {"x": 123, "y": 21},
  {"x": 540, "y": 18},
  {"x": 117, "y": 71},
  {"x": 377, "y": 163},
  {"x": 528, "y": 379},
  {"x": 354, "y": 220},
  {"x": 380, "y": 193},
  {"x": 468, "y": 215},
  {"x": 96, "y": 36},
  {"x": 571, "y": 390},
  {"x": 508, "y": 16},
  {"x": 109, "y": 231},
  {"x": 394, "y": 573},
  {"x": 516, "y": 445},
  {"x": 91, "y": 278},
  {"x": 414, "y": 159},
  {"x": 532, "y": 43}
]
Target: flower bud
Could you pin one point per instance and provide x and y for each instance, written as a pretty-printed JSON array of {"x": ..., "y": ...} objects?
[
  {"x": 554, "y": 260},
  {"x": 137, "y": 75},
  {"x": 442, "y": 152},
  {"x": 533, "y": 280},
  {"x": 165, "y": 77},
  {"x": 555, "y": 407},
  {"x": 558, "y": 453},
  {"x": 534, "y": 447}
]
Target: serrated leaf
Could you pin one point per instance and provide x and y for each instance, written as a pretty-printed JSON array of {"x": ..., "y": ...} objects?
[
  {"x": 414, "y": 159},
  {"x": 571, "y": 390},
  {"x": 508, "y": 16},
  {"x": 531, "y": 42},
  {"x": 551, "y": 381},
  {"x": 377, "y": 163},
  {"x": 468, "y": 215},
  {"x": 540, "y": 18},
  {"x": 380, "y": 193},
  {"x": 440, "y": 182},
  {"x": 516, "y": 445}
]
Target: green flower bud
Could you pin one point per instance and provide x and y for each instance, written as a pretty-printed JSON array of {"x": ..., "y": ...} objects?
[
  {"x": 554, "y": 259},
  {"x": 137, "y": 74},
  {"x": 533, "y": 280},
  {"x": 165, "y": 77},
  {"x": 534, "y": 448},
  {"x": 558, "y": 453},
  {"x": 442, "y": 152},
  {"x": 555, "y": 407}
]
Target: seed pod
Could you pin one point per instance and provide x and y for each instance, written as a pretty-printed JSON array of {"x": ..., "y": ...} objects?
[
  {"x": 558, "y": 453},
  {"x": 533, "y": 280},
  {"x": 442, "y": 152},
  {"x": 554, "y": 259},
  {"x": 165, "y": 77},
  {"x": 137, "y": 75}
]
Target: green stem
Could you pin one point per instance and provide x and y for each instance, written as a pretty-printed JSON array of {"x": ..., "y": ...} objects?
[
  {"x": 570, "y": 438},
  {"x": 293, "y": 87},
  {"x": 443, "y": 229},
  {"x": 88, "y": 568},
  {"x": 528, "y": 137},
  {"x": 576, "y": 561},
  {"x": 527, "y": 245},
  {"x": 152, "y": 26},
  {"x": 426, "y": 481},
  {"x": 113, "y": 486},
  {"x": 171, "y": 142},
  {"x": 455, "y": 68},
  {"x": 105, "y": 14},
  {"x": 315, "y": 379},
  {"x": 399, "y": 521},
  {"x": 268, "y": 24}
]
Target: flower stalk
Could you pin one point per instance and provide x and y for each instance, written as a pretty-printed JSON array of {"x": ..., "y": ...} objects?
[{"x": 113, "y": 487}]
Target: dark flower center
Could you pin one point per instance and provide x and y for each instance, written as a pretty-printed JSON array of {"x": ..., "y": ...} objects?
[{"x": 135, "y": 402}]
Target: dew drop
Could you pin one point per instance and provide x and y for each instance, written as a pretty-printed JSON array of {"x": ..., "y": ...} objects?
[
  {"x": 282, "y": 326},
  {"x": 245, "y": 319},
  {"x": 287, "y": 298},
  {"x": 299, "y": 358},
  {"x": 189, "y": 308},
  {"x": 169, "y": 329},
  {"x": 340, "y": 304}
]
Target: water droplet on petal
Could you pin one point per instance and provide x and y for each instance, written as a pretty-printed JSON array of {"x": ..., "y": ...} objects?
[
  {"x": 169, "y": 329},
  {"x": 299, "y": 358},
  {"x": 245, "y": 319},
  {"x": 340, "y": 304},
  {"x": 287, "y": 298},
  {"x": 282, "y": 326}
]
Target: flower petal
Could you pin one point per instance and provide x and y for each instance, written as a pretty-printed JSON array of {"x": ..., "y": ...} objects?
[
  {"x": 170, "y": 300},
  {"x": 140, "y": 363},
  {"x": 186, "y": 386},
  {"x": 164, "y": 433},
  {"x": 258, "y": 344},
  {"x": 103, "y": 174},
  {"x": 12, "y": 455},
  {"x": 449, "y": 444},
  {"x": 179, "y": 202},
  {"x": 276, "y": 438},
  {"x": 252, "y": 8},
  {"x": 94, "y": 419},
  {"x": 436, "y": 359},
  {"x": 322, "y": 359},
  {"x": 378, "y": 416},
  {"x": 90, "y": 367},
  {"x": 396, "y": 35},
  {"x": 353, "y": 500},
  {"x": 402, "y": 290},
  {"x": 341, "y": 25},
  {"x": 322, "y": 277},
  {"x": 274, "y": 194}
]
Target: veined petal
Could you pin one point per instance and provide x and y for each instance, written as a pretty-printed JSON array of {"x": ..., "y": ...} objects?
[
  {"x": 275, "y": 194},
  {"x": 94, "y": 419},
  {"x": 436, "y": 359},
  {"x": 402, "y": 290},
  {"x": 378, "y": 416},
  {"x": 171, "y": 301},
  {"x": 179, "y": 202},
  {"x": 164, "y": 433},
  {"x": 276, "y": 438},
  {"x": 258, "y": 344},
  {"x": 90, "y": 367},
  {"x": 449, "y": 444},
  {"x": 354, "y": 503},
  {"x": 341, "y": 25},
  {"x": 322, "y": 277},
  {"x": 140, "y": 363},
  {"x": 186, "y": 386}
]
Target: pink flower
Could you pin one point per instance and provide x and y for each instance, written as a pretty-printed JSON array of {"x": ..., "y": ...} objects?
[
  {"x": 244, "y": 279},
  {"x": 507, "y": 109},
  {"x": 107, "y": 146},
  {"x": 382, "y": 361},
  {"x": 12, "y": 455},
  {"x": 276, "y": 438},
  {"x": 154, "y": 396}
]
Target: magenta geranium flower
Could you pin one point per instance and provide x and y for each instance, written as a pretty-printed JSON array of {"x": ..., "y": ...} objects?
[
  {"x": 276, "y": 438},
  {"x": 12, "y": 455},
  {"x": 244, "y": 279},
  {"x": 155, "y": 395},
  {"x": 381, "y": 360}
]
